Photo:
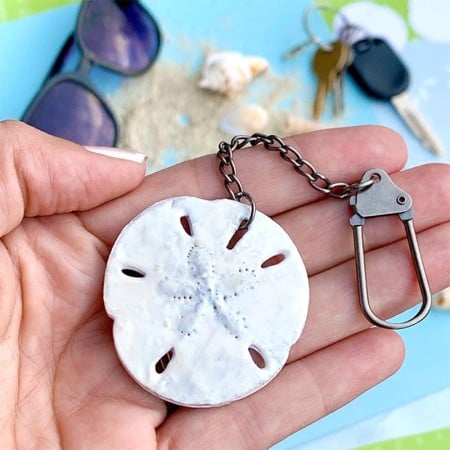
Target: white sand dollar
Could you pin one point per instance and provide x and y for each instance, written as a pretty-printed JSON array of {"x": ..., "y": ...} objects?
[{"x": 196, "y": 322}]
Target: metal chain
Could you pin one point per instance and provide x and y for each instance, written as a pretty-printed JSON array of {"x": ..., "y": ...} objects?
[{"x": 290, "y": 154}]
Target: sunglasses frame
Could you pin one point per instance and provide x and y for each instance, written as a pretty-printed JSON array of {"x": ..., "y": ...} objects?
[{"x": 80, "y": 75}]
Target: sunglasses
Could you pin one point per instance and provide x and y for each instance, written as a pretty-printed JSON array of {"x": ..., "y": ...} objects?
[{"x": 117, "y": 35}]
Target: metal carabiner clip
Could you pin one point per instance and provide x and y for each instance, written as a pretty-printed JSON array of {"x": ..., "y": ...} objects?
[{"x": 384, "y": 198}]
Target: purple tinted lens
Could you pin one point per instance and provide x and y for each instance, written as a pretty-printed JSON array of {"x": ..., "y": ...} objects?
[
  {"x": 71, "y": 111},
  {"x": 118, "y": 34}
]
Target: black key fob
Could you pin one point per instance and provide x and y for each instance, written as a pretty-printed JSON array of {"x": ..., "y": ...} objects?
[{"x": 377, "y": 69}]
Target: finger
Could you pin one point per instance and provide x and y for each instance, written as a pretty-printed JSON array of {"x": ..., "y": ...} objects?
[
  {"x": 303, "y": 392},
  {"x": 392, "y": 286},
  {"x": 43, "y": 175},
  {"x": 322, "y": 232},
  {"x": 342, "y": 154},
  {"x": 104, "y": 408}
]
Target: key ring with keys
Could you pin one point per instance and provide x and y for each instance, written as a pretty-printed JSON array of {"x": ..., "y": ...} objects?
[
  {"x": 374, "y": 195},
  {"x": 314, "y": 39},
  {"x": 330, "y": 60}
]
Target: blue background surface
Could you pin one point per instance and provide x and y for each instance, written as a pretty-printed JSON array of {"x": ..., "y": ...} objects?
[{"x": 28, "y": 47}]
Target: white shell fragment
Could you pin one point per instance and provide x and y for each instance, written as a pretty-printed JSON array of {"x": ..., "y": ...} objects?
[
  {"x": 244, "y": 120},
  {"x": 441, "y": 300},
  {"x": 230, "y": 72},
  {"x": 204, "y": 316}
]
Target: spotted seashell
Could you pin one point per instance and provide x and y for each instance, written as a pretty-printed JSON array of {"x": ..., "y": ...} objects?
[{"x": 230, "y": 72}]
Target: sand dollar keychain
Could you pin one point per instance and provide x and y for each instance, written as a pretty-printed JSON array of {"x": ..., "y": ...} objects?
[
  {"x": 199, "y": 321},
  {"x": 207, "y": 297}
]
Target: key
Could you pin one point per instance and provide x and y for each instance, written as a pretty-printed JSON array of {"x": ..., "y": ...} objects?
[
  {"x": 327, "y": 63},
  {"x": 381, "y": 74},
  {"x": 339, "y": 85}
]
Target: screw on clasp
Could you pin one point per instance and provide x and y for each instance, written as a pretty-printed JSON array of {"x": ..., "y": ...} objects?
[{"x": 384, "y": 198}]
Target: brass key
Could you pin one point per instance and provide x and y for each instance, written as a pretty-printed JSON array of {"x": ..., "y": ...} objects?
[
  {"x": 338, "y": 87},
  {"x": 327, "y": 63}
]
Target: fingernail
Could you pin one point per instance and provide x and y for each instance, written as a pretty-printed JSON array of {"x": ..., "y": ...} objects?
[{"x": 112, "y": 152}]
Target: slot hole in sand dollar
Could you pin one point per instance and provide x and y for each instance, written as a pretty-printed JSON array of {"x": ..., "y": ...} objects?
[
  {"x": 237, "y": 236},
  {"x": 133, "y": 273},
  {"x": 186, "y": 224},
  {"x": 164, "y": 361},
  {"x": 257, "y": 357},
  {"x": 273, "y": 260}
]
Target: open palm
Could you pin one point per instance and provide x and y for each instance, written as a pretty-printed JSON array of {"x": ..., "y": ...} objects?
[{"x": 61, "y": 383}]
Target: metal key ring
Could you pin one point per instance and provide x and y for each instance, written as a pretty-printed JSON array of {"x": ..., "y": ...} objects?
[{"x": 314, "y": 38}]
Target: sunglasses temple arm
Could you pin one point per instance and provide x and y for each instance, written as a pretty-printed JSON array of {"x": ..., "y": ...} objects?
[{"x": 61, "y": 58}]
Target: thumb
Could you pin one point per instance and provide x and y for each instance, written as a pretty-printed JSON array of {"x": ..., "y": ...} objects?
[{"x": 44, "y": 175}]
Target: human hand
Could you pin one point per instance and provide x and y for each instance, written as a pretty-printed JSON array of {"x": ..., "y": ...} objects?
[{"x": 61, "y": 383}]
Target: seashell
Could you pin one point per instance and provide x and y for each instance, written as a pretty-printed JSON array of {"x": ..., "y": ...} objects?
[
  {"x": 441, "y": 300},
  {"x": 291, "y": 124},
  {"x": 244, "y": 120},
  {"x": 201, "y": 315},
  {"x": 230, "y": 72}
]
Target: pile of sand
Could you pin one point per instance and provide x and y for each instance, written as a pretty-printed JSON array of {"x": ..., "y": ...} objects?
[{"x": 164, "y": 113}]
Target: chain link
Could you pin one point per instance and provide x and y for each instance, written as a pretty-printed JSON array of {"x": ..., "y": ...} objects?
[{"x": 290, "y": 154}]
